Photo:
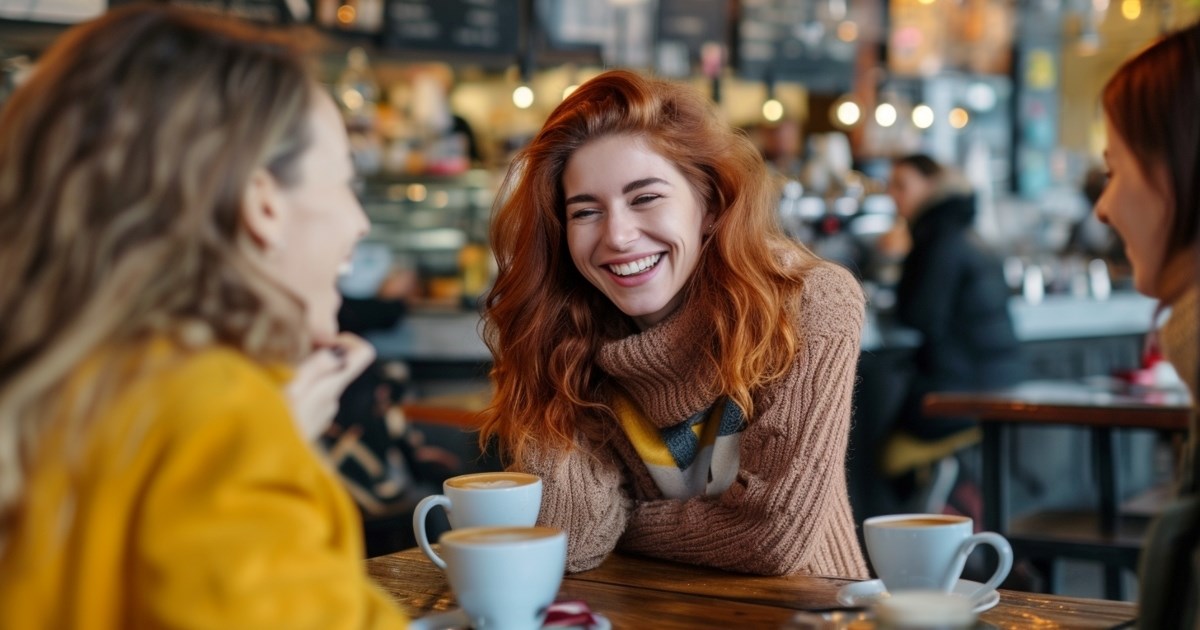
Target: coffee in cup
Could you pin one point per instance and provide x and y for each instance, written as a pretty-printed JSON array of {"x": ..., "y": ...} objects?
[
  {"x": 482, "y": 499},
  {"x": 505, "y": 578},
  {"x": 928, "y": 551}
]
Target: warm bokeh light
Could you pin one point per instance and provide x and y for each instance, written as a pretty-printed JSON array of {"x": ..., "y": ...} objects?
[
  {"x": 352, "y": 99},
  {"x": 848, "y": 113},
  {"x": 441, "y": 199},
  {"x": 927, "y": 1},
  {"x": 772, "y": 110},
  {"x": 345, "y": 14},
  {"x": 570, "y": 89},
  {"x": 959, "y": 118},
  {"x": 523, "y": 97},
  {"x": 847, "y": 31},
  {"x": 885, "y": 114},
  {"x": 1131, "y": 9},
  {"x": 417, "y": 192},
  {"x": 922, "y": 116}
]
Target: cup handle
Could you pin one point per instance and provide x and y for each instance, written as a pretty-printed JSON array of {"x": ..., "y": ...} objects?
[
  {"x": 960, "y": 559},
  {"x": 419, "y": 517}
]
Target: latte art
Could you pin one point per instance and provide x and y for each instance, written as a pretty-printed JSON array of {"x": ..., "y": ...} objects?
[
  {"x": 491, "y": 481},
  {"x": 499, "y": 483}
]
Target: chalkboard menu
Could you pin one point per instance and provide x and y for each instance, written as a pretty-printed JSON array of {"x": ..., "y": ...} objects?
[
  {"x": 791, "y": 40},
  {"x": 468, "y": 26},
  {"x": 693, "y": 23},
  {"x": 262, "y": 11},
  {"x": 52, "y": 11}
]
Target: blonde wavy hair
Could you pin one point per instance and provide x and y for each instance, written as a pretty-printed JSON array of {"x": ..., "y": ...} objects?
[{"x": 123, "y": 163}]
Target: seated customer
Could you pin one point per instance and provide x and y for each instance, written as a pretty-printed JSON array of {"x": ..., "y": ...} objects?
[
  {"x": 952, "y": 290},
  {"x": 1152, "y": 200},
  {"x": 175, "y": 204},
  {"x": 676, "y": 370}
]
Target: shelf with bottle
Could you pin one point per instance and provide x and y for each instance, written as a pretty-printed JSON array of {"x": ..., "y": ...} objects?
[{"x": 437, "y": 227}]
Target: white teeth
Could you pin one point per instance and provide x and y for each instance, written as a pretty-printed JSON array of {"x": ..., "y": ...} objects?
[{"x": 637, "y": 266}]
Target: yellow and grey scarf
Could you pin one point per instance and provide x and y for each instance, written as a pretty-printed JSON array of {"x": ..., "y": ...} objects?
[{"x": 697, "y": 457}]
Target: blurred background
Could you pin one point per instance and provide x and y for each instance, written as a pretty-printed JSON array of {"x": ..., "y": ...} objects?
[{"x": 437, "y": 95}]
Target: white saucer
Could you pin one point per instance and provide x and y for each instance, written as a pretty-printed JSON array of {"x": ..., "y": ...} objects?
[
  {"x": 867, "y": 593},
  {"x": 455, "y": 619}
]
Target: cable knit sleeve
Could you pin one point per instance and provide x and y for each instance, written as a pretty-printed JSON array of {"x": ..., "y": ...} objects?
[
  {"x": 583, "y": 494},
  {"x": 788, "y": 511}
]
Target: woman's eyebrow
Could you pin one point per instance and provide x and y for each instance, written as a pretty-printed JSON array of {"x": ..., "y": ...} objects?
[{"x": 639, "y": 183}]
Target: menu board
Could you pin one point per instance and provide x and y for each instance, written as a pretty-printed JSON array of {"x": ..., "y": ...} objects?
[
  {"x": 693, "y": 23},
  {"x": 263, "y": 11},
  {"x": 791, "y": 40},
  {"x": 470, "y": 26},
  {"x": 56, "y": 11}
]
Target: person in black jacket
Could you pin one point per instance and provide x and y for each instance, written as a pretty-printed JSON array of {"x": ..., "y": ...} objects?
[{"x": 952, "y": 290}]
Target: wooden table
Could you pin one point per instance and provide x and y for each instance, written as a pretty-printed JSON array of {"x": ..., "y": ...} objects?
[
  {"x": 458, "y": 410},
  {"x": 636, "y": 592},
  {"x": 1099, "y": 405}
]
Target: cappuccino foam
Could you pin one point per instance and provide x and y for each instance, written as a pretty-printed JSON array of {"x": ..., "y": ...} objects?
[
  {"x": 497, "y": 535},
  {"x": 491, "y": 481}
]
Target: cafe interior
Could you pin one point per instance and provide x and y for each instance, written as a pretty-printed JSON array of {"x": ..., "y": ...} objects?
[{"x": 1070, "y": 462}]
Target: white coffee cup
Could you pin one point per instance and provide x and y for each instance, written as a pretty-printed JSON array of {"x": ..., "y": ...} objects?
[
  {"x": 505, "y": 578},
  {"x": 924, "y": 610},
  {"x": 928, "y": 551},
  {"x": 492, "y": 499}
]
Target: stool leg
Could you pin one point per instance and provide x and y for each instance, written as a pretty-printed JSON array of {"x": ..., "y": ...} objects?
[
  {"x": 1104, "y": 453},
  {"x": 995, "y": 481},
  {"x": 1112, "y": 582},
  {"x": 1048, "y": 568}
]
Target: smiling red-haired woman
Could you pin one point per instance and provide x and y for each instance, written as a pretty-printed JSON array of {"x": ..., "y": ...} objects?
[{"x": 676, "y": 370}]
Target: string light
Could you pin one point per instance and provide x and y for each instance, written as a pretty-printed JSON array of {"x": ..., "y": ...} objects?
[
  {"x": 523, "y": 97},
  {"x": 959, "y": 118},
  {"x": 922, "y": 116},
  {"x": 772, "y": 110},
  {"x": 848, "y": 113},
  {"x": 885, "y": 114}
]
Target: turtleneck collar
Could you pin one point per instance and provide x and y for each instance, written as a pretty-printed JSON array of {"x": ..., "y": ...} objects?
[{"x": 663, "y": 368}]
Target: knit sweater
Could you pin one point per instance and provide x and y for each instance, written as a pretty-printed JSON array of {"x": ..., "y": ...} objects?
[{"x": 788, "y": 509}]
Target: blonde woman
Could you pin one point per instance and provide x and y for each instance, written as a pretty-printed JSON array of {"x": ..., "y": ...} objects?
[{"x": 175, "y": 204}]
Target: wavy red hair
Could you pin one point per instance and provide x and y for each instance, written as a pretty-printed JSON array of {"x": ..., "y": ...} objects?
[{"x": 545, "y": 323}]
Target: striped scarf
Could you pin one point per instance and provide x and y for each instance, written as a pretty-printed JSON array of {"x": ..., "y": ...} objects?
[{"x": 697, "y": 457}]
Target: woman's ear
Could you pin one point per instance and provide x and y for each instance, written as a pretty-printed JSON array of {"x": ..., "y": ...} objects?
[{"x": 263, "y": 211}]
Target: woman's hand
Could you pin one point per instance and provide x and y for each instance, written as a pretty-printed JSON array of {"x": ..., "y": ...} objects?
[{"x": 321, "y": 378}]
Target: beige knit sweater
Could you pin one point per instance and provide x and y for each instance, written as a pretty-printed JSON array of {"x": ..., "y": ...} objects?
[{"x": 788, "y": 510}]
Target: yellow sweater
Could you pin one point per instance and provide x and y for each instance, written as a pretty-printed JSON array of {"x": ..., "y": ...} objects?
[{"x": 190, "y": 501}]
